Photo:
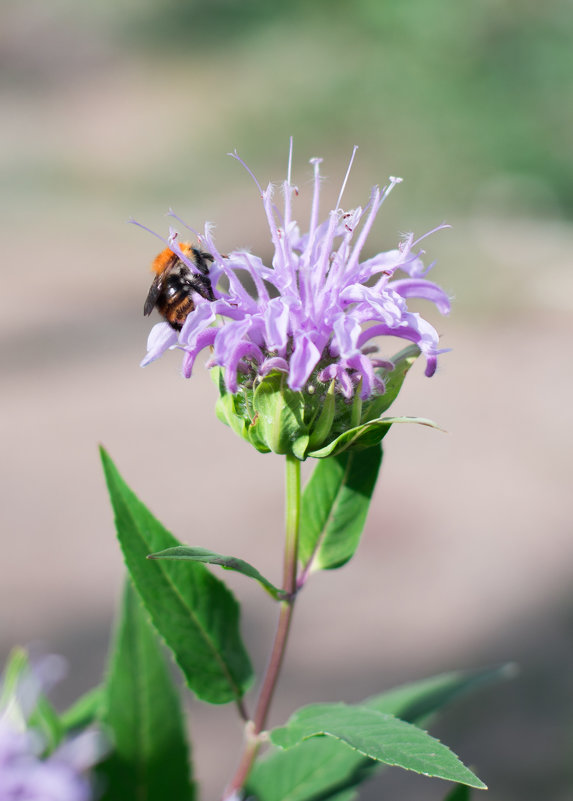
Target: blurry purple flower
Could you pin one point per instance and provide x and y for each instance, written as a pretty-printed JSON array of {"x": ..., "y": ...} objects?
[
  {"x": 25, "y": 773},
  {"x": 317, "y": 309}
]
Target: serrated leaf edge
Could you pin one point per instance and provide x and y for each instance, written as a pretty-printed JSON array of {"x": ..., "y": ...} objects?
[{"x": 235, "y": 689}]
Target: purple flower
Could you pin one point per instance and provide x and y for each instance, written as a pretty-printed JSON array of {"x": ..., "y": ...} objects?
[
  {"x": 317, "y": 309},
  {"x": 26, "y": 773}
]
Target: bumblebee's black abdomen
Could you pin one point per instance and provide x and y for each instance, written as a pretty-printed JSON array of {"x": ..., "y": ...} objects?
[{"x": 175, "y": 302}]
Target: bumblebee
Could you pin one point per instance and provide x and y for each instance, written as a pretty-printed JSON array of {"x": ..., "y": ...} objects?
[{"x": 175, "y": 283}]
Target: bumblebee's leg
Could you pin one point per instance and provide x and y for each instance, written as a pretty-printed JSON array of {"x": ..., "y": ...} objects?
[
  {"x": 202, "y": 285},
  {"x": 202, "y": 259}
]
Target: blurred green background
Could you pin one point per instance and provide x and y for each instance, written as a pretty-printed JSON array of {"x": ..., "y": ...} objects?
[
  {"x": 469, "y": 100},
  {"x": 114, "y": 109}
]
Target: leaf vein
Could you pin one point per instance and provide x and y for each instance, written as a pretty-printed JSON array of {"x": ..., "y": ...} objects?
[{"x": 225, "y": 669}]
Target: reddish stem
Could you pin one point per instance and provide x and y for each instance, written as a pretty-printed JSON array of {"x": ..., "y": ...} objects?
[{"x": 254, "y": 729}]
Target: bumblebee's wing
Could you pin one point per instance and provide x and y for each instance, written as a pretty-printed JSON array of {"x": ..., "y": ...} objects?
[{"x": 153, "y": 294}]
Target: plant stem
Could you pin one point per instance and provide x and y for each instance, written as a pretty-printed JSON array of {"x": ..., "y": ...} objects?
[{"x": 283, "y": 627}]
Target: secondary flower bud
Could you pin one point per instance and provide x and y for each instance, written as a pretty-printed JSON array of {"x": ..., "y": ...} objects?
[{"x": 29, "y": 767}]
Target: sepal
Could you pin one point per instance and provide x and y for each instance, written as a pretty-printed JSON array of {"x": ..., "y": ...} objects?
[
  {"x": 234, "y": 412},
  {"x": 317, "y": 422},
  {"x": 280, "y": 415}
]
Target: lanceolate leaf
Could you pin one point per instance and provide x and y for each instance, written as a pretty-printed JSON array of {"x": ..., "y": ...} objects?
[
  {"x": 366, "y": 435},
  {"x": 194, "y": 612},
  {"x": 141, "y": 710},
  {"x": 317, "y": 768},
  {"x": 417, "y": 701},
  {"x": 85, "y": 710},
  {"x": 187, "y": 553},
  {"x": 378, "y": 736},
  {"x": 334, "y": 507}
]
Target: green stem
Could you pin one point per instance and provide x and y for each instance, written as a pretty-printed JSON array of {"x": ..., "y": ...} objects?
[
  {"x": 283, "y": 627},
  {"x": 292, "y": 524}
]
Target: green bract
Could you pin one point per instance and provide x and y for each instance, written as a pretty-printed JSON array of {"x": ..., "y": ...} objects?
[{"x": 318, "y": 423}]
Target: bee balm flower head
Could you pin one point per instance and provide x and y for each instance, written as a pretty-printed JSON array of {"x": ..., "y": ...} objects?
[{"x": 305, "y": 338}]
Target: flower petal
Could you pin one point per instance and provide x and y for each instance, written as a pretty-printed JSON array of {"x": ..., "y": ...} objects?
[
  {"x": 202, "y": 340},
  {"x": 276, "y": 317},
  {"x": 161, "y": 338},
  {"x": 274, "y": 363},
  {"x": 304, "y": 359},
  {"x": 420, "y": 288}
]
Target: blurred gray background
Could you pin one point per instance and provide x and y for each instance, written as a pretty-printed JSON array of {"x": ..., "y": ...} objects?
[{"x": 127, "y": 108}]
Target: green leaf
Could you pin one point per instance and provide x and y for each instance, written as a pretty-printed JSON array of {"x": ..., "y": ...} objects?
[
  {"x": 417, "y": 701},
  {"x": 321, "y": 766},
  {"x": 186, "y": 552},
  {"x": 335, "y": 504},
  {"x": 142, "y": 712},
  {"x": 344, "y": 795},
  {"x": 318, "y": 768},
  {"x": 365, "y": 435},
  {"x": 194, "y": 612},
  {"x": 85, "y": 710},
  {"x": 43, "y": 717},
  {"x": 377, "y": 736}
]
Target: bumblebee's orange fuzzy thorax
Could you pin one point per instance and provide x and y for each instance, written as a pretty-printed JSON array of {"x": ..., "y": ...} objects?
[{"x": 163, "y": 260}]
